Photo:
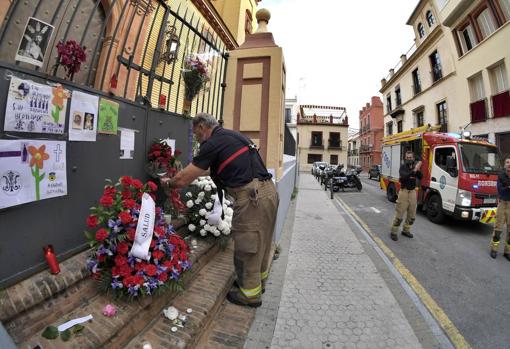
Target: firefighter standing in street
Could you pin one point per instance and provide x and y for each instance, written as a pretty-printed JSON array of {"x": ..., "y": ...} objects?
[
  {"x": 406, "y": 202},
  {"x": 236, "y": 166},
  {"x": 503, "y": 212}
]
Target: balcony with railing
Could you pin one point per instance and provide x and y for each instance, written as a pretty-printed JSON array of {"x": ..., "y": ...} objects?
[
  {"x": 334, "y": 144},
  {"x": 321, "y": 120},
  {"x": 366, "y": 148},
  {"x": 501, "y": 104},
  {"x": 478, "y": 110},
  {"x": 316, "y": 144}
]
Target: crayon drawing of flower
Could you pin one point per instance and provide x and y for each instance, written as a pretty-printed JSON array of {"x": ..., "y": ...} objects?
[
  {"x": 38, "y": 156},
  {"x": 59, "y": 98}
]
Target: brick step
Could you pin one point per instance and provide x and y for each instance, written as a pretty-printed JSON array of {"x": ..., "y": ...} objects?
[
  {"x": 229, "y": 328},
  {"x": 101, "y": 332},
  {"x": 205, "y": 296}
]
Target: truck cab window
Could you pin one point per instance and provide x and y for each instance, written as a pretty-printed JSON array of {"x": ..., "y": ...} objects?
[{"x": 441, "y": 156}]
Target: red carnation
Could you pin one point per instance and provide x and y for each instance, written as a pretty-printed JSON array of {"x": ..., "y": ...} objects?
[
  {"x": 120, "y": 260},
  {"x": 128, "y": 203},
  {"x": 158, "y": 254},
  {"x": 159, "y": 231},
  {"x": 150, "y": 269},
  {"x": 101, "y": 234},
  {"x": 153, "y": 243},
  {"x": 110, "y": 191},
  {"x": 101, "y": 258},
  {"x": 156, "y": 153},
  {"x": 126, "y": 180},
  {"x": 167, "y": 264},
  {"x": 177, "y": 152},
  {"x": 125, "y": 270},
  {"x": 140, "y": 266},
  {"x": 128, "y": 281},
  {"x": 137, "y": 184},
  {"x": 122, "y": 248},
  {"x": 131, "y": 234},
  {"x": 125, "y": 217},
  {"x": 138, "y": 280},
  {"x": 92, "y": 221},
  {"x": 115, "y": 271},
  {"x": 126, "y": 194},
  {"x": 106, "y": 201},
  {"x": 152, "y": 185},
  {"x": 163, "y": 277}
]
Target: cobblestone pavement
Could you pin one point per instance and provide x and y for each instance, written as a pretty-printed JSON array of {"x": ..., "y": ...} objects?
[{"x": 333, "y": 296}]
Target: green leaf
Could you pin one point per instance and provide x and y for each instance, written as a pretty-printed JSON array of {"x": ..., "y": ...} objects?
[
  {"x": 42, "y": 176},
  {"x": 89, "y": 235},
  {"x": 77, "y": 328},
  {"x": 51, "y": 332},
  {"x": 66, "y": 335}
]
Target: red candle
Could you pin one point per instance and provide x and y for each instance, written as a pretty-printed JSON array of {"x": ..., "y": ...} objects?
[
  {"x": 51, "y": 259},
  {"x": 162, "y": 101}
]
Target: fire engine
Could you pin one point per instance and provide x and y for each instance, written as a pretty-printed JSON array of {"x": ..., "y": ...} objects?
[{"x": 459, "y": 173}]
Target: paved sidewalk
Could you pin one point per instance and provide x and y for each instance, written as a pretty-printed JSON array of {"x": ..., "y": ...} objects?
[{"x": 333, "y": 296}]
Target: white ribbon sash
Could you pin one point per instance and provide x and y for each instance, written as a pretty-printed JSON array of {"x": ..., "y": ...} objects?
[
  {"x": 144, "y": 228},
  {"x": 214, "y": 217}
]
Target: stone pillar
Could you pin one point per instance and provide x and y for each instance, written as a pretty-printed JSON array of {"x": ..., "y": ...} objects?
[{"x": 255, "y": 93}]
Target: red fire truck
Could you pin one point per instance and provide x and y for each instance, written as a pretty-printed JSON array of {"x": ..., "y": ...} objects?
[{"x": 459, "y": 173}]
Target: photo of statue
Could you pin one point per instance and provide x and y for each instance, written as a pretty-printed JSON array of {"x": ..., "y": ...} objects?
[{"x": 34, "y": 42}]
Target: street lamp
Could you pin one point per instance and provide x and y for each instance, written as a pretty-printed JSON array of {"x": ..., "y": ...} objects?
[{"x": 171, "y": 45}]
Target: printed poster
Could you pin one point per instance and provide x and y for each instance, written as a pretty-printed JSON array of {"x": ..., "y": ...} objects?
[
  {"x": 34, "y": 42},
  {"x": 127, "y": 143},
  {"x": 35, "y": 108},
  {"x": 83, "y": 117},
  {"x": 108, "y": 116},
  {"x": 31, "y": 170}
]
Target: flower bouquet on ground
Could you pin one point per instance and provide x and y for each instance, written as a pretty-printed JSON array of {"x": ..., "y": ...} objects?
[
  {"x": 114, "y": 223},
  {"x": 196, "y": 72},
  {"x": 162, "y": 162},
  {"x": 200, "y": 201}
]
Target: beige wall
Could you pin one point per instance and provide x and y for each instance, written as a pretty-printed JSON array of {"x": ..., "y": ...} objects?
[
  {"x": 255, "y": 99},
  {"x": 233, "y": 14},
  {"x": 432, "y": 93},
  {"x": 305, "y": 137},
  {"x": 489, "y": 52}
]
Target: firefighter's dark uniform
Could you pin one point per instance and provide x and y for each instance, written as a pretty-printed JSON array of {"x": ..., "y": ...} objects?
[
  {"x": 502, "y": 216},
  {"x": 237, "y": 167},
  {"x": 406, "y": 203}
]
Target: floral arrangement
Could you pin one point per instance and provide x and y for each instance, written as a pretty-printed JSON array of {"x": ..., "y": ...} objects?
[
  {"x": 163, "y": 163},
  {"x": 70, "y": 55},
  {"x": 114, "y": 224},
  {"x": 196, "y": 73},
  {"x": 200, "y": 203}
]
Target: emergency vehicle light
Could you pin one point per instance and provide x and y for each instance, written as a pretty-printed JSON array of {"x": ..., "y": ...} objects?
[
  {"x": 466, "y": 134},
  {"x": 475, "y": 186}
]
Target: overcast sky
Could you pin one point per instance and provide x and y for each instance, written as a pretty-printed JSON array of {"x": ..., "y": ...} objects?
[{"x": 337, "y": 51}]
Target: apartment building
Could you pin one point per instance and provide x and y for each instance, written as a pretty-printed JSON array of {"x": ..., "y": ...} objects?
[{"x": 322, "y": 135}]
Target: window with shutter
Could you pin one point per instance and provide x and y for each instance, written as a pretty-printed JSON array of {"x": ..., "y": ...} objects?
[{"x": 486, "y": 22}]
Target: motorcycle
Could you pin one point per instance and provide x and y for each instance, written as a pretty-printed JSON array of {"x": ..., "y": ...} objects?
[{"x": 345, "y": 179}]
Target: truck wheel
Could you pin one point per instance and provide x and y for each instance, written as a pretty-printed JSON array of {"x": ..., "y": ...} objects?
[
  {"x": 435, "y": 209},
  {"x": 391, "y": 193}
]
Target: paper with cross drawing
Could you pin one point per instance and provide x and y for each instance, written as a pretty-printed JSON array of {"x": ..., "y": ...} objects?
[{"x": 31, "y": 170}]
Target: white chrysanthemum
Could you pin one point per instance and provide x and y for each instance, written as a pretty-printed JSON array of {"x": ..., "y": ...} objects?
[
  {"x": 198, "y": 201},
  {"x": 191, "y": 227},
  {"x": 223, "y": 226},
  {"x": 213, "y": 185},
  {"x": 207, "y": 227},
  {"x": 189, "y": 203},
  {"x": 208, "y": 205},
  {"x": 208, "y": 178},
  {"x": 201, "y": 194},
  {"x": 202, "y": 212},
  {"x": 229, "y": 212},
  {"x": 227, "y": 202},
  {"x": 213, "y": 196},
  {"x": 216, "y": 233},
  {"x": 226, "y": 231},
  {"x": 195, "y": 182},
  {"x": 189, "y": 195},
  {"x": 202, "y": 222},
  {"x": 203, "y": 232},
  {"x": 208, "y": 187}
]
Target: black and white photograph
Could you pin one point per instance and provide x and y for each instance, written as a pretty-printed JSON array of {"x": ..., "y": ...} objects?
[{"x": 34, "y": 43}]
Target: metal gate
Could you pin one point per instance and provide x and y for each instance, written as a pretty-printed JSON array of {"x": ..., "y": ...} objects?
[{"x": 127, "y": 61}]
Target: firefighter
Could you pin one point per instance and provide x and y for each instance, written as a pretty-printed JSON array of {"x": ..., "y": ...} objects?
[
  {"x": 406, "y": 203},
  {"x": 503, "y": 211},
  {"x": 236, "y": 166}
]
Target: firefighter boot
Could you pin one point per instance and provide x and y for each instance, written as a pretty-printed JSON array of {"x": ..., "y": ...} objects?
[
  {"x": 496, "y": 237},
  {"x": 507, "y": 248},
  {"x": 263, "y": 285},
  {"x": 394, "y": 228},
  {"x": 406, "y": 230},
  {"x": 236, "y": 296}
]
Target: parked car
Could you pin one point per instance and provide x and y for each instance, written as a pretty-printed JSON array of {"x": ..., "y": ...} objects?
[
  {"x": 375, "y": 172},
  {"x": 317, "y": 167}
]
